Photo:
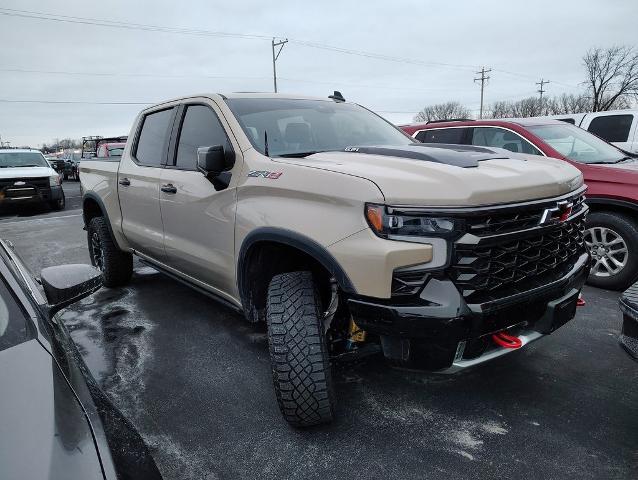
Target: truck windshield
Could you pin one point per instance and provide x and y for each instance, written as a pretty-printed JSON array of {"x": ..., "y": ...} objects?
[
  {"x": 22, "y": 159},
  {"x": 577, "y": 144},
  {"x": 292, "y": 127}
]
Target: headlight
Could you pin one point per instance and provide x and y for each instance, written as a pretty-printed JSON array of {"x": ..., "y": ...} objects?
[
  {"x": 54, "y": 180},
  {"x": 410, "y": 228}
]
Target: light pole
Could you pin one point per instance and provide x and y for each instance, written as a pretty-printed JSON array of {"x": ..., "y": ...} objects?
[{"x": 275, "y": 56}]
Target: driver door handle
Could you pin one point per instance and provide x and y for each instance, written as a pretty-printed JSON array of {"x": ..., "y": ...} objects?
[
  {"x": 168, "y": 188},
  {"x": 125, "y": 182}
]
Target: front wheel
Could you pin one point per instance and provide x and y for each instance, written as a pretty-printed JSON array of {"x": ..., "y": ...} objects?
[
  {"x": 116, "y": 266},
  {"x": 298, "y": 350},
  {"x": 59, "y": 204},
  {"x": 612, "y": 240}
]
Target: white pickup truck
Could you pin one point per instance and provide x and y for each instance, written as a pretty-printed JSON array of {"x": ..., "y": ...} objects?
[
  {"x": 619, "y": 127},
  {"x": 27, "y": 177}
]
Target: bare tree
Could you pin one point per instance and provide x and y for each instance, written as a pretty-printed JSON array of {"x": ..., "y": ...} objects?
[
  {"x": 612, "y": 76},
  {"x": 442, "y": 111}
]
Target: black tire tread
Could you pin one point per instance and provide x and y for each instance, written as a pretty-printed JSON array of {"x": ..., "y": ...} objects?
[
  {"x": 118, "y": 265},
  {"x": 298, "y": 351}
]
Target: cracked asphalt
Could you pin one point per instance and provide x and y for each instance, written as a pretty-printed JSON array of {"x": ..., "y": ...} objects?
[{"x": 194, "y": 378}]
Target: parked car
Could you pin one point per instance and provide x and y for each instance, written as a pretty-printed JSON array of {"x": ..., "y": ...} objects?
[
  {"x": 331, "y": 225},
  {"x": 57, "y": 164},
  {"x": 56, "y": 422},
  {"x": 27, "y": 177},
  {"x": 611, "y": 176},
  {"x": 107, "y": 149},
  {"x": 629, "y": 307},
  {"x": 619, "y": 127}
]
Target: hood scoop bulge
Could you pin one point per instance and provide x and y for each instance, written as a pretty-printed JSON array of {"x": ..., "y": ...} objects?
[{"x": 464, "y": 156}]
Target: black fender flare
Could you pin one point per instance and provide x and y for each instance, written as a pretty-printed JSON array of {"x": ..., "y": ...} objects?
[
  {"x": 612, "y": 202},
  {"x": 93, "y": 196},
  {"x": 296, "y": 240}
]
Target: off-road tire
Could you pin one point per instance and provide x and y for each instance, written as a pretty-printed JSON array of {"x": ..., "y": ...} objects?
[
  {"x": 628, "y": 230},
  {"x": 116, "y": 266},
  {"x": 298, "y": 350},
  {"x": 58, "y": 204}
]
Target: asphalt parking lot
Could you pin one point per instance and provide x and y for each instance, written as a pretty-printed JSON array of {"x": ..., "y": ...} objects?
[{"x": 195, "y": 380}]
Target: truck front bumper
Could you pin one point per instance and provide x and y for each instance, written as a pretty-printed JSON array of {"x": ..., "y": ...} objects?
[{"x": 440, "y": 331}]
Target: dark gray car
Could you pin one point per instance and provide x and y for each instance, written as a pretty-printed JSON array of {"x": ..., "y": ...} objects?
[{"x": 55, "y": 422}]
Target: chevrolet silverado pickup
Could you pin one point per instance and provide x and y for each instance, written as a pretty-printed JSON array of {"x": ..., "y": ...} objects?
[{"x": 331, "y": 225}]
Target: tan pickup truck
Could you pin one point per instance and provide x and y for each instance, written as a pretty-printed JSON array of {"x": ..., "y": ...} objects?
[{"x": 325, "y": 221}]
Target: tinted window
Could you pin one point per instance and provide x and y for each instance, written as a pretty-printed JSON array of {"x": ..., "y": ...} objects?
[
  {"x": 294, "y": 126},
  {"x": 153, "y": 137},
  {"x": 13, "y": 322},
  {"x": 501, "y": 138},
  {"x": 568, "y": 120},
  {"x": 441, "y": 135},
  {"x": 201, "y": 128},
  {"x": 613, "y": 128}
]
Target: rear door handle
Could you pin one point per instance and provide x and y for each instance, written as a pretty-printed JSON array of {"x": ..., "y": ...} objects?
[
  {"x": 168, "y": 188},
  {"x": 125, "y": 182}
]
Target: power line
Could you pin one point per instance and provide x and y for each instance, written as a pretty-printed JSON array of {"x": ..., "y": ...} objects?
[
  {"x": 75, "y": 102},
  {"x": 334, "y": 83},
  {"x": 483, "y": 78},
  {"x": 186, "y": 31},
  {"x": 200, "y": 32}
]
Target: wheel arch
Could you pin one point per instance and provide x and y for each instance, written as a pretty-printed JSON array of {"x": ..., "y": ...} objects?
[
  {"x": 268, "y": 251},
  {"x": 612, "y": 205},
  {"x": 93, "y": 206}
]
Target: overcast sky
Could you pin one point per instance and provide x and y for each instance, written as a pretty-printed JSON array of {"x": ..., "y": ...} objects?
[{"x": 520, "y": 41}]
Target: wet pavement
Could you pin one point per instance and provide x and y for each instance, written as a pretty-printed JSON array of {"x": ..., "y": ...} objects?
[{"x": 194, "y": 378}]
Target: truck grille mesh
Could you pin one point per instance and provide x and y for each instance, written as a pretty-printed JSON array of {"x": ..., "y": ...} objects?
[
  {"x": 484, "y": 273},
  {"x": 31, "y": 187}
]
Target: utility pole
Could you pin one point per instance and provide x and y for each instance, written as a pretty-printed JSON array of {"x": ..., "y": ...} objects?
[
  {"x": 275, "y": 56},
  {"x": 541, "y": 91},
  {"x": 483, "y": 78}
]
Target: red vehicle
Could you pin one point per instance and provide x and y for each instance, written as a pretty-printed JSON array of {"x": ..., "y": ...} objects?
[{"x": 610, "y": 173}]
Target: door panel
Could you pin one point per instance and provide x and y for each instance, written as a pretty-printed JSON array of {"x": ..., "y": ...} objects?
[
  {"x": 141, "y": 218},
  {"x": 199, "y": 221},
  {"x": 199, "y": 225},
  {"x": 138, "y": 184}
]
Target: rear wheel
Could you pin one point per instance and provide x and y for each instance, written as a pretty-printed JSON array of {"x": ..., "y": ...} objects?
[
  {"x": 298, "y": 350},
  {"x": 116, "y": 266},
  {"x": 612, "y": 240}
]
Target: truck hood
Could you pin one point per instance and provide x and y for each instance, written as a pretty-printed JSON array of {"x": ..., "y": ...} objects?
[
  {"x": 26, "y": 172},
  {"x": 449, "y": 175}
]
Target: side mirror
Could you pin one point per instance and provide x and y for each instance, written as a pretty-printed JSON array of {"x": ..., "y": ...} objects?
[
  {"x": 214, "y": 160},
  {"x": 66, "y": 284}
]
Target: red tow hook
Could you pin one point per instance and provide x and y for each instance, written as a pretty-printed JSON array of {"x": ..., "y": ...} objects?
[
  {"x": 581, "y": 301},
  {"x": 506, "y": 341}
]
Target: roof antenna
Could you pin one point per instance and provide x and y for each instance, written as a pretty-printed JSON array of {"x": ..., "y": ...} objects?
[
  {"x": 337, "y": 97},
  {"x": 266, "y": 143}
]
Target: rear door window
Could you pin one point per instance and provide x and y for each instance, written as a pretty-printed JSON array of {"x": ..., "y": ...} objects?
[
  {"x": 441, "y": 135},
  {"x": 502, "y": 138},
  {"x": 613, "y": 128},
  {"x": 153, "y": 139},
  {"x": 200, "y": 128}
]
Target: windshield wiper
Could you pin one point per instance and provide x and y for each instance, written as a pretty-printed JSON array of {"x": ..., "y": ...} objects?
[
  {"x": 624, "y": 159},
  {"x": 300, "y": 154}
]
